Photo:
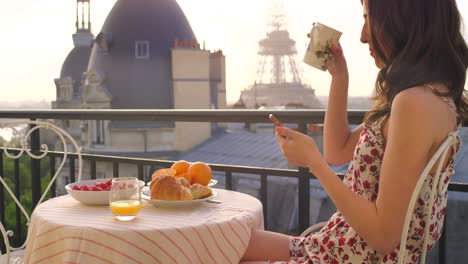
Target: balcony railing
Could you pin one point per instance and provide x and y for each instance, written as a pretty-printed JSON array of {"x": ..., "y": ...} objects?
[{"x": 299, "y": 117}]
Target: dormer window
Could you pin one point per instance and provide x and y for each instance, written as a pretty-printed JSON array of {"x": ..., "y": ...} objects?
[
  {"x": 99, "y": 132},
  {"x": 142, "y": 49}
]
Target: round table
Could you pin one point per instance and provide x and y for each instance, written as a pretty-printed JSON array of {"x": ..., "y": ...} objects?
[{"x": 64, "y": 230}]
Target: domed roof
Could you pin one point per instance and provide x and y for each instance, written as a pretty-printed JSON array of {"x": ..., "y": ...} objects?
[
  {"x": 75, "y": 65},
  {"x": 140, "y": 83}
]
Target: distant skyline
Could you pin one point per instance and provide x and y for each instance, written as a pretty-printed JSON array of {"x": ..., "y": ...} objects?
[{"x": 37, "y": 39}]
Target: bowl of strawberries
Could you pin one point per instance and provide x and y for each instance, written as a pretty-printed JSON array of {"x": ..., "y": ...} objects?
[{"x": 92, "y": 192}]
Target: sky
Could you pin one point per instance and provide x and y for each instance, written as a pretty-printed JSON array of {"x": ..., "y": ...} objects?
[{"x": 37, "y": 37}]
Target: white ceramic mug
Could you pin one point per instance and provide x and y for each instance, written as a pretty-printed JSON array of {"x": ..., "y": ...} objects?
[{"x": 319, "y": 50}]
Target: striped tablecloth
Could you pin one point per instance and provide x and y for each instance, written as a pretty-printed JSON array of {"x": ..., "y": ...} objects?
[{"x": 65, "y": 231}]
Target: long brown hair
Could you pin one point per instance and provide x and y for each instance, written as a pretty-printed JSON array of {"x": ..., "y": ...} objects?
[{"x": 419, "y": 42}]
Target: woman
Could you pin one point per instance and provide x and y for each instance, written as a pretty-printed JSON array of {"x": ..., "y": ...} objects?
[{"x": 422, "y": 57}]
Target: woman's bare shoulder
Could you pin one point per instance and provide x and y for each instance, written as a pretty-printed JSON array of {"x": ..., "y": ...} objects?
[
  {"x": 416, "y": 96},
  {"x": 424, "y": 108}
]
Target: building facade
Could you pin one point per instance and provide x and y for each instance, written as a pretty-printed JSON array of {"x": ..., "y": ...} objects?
[{"x": 146, "y": 56}]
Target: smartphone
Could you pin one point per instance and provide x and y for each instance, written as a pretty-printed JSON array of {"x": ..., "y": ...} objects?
[{"x": 275, "y": 120}]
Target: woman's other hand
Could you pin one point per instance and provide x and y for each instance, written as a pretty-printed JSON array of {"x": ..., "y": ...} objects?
[
  {"x": 299, "y": 149},
  {"x": 337, "y": 64}
]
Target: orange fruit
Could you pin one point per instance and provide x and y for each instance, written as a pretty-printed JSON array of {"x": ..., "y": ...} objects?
[
  {"x": 180, "y": 166},
  {"x": 185, "y": 175},
  {"x": 200, "y": 172},
  {"x": 170, "y": 172}
]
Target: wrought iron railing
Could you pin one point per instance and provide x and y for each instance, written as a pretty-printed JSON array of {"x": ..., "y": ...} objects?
[{"x": 299, "y": 117}]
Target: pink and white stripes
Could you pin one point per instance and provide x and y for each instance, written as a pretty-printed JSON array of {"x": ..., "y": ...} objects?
[{"x": 66, "y": 231}]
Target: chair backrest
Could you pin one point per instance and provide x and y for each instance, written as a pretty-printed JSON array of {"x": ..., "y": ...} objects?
[
  {"x": 440, "y": 155},
  {"x": 63, "y": 136}
]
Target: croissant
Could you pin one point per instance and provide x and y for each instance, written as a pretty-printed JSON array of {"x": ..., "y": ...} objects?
[
  {"x": 166, "y": 187},
  {"x": 200, "y": 191},
  {"x": 184, "y": 182}
]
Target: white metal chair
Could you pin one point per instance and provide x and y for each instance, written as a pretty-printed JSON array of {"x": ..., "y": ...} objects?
[
  {"x": 16, "y": 255},
  {"x": 441, "y": 155},
  {"x": 312, "y": 228}
]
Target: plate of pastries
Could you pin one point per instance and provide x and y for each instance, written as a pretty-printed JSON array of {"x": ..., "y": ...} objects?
[{"x": 184, "y": 184}]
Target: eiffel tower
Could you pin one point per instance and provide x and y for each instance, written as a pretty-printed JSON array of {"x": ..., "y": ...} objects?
[{"x": 278, "y": 82}]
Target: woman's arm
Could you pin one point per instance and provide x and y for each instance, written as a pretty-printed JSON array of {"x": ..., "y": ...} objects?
[
  {"x": 380, "y": 223},
  {"x": 338, "y": 140}
]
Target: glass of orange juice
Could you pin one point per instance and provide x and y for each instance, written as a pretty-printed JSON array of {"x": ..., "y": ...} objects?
[{"x": 125, "y": 198}]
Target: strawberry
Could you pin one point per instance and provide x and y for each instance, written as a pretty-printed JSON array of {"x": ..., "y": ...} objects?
[
  {"x": 76, "y": 188},
  {"x": 96, "y": 188},
  {"x": 85, "y": 187},
  {"x": 109, "y": 182}
]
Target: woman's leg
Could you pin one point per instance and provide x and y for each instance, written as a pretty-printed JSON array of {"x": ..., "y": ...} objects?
[{"x": 265, "y": 245}]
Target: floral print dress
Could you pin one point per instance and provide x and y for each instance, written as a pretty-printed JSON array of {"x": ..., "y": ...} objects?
[{"x": 337, "y": 242}]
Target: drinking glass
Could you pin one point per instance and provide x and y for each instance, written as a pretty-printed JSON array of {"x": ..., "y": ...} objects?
[{"x": 125, "y": 198}]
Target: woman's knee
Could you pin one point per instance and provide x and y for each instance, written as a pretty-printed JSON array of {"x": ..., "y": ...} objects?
[{"x": 265, "y": 245}]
